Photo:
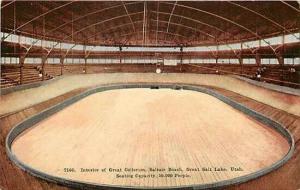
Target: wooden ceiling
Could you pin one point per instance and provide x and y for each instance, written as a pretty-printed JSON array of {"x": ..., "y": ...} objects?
[{"x": 150, "y": 23}]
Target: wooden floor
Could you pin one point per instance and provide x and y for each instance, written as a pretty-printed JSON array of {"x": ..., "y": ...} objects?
[
  {"x": 22, "y": 99},
  {"x": 285, "y": 178},
  {"x": 141, "y": 129}
]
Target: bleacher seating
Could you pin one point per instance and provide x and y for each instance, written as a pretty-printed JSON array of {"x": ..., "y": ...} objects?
[
  {"x": 53, "y": 70},
  {"x": 73, "y": 69},
  {"x": 11, "y": 75}
]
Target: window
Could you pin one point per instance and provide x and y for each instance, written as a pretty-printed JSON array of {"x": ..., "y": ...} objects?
[
  {"x": 89, "y": 48},
  {"x": 147, "y": 61},
  {"x": 235, "y": 46},
  {"x": 200, "y": 48},
  {"x": 101, "y": 61},
  {"x": 9, "y": 60},
  {"x": 234, "y": 61},
  {"x": 66, "y": 46},
  {"x": 3, "y": 34},
  {"x": 32, "y": 60},
  {"x": 78, "y": 47},
  {"x": 14, "y": 60},
  {"x": 292, "y": 61},
  {"x": 297, "y": 61},
  {"x": 250, "y": 44},
  {"x": 193, "y": 61},
  {"x": 152, "y": 49},
  {"x": 134, "y": 60},
  {"x": 115, "y": 60},
  {"x": 89, "y": 60},
  {"x": 28, "y": 40},
  {"x": 269, "y": 61},
  {"x": 289, "y": 61},
  {"x": 104, "y": 48},
  {"x": 126, "y": 60},
  {"x": 272, "y": 41},
  {"x": 95, "y": 61},
  {"x": 45, "y": 43},
  {"x": 53, "y": 60},
  {"x": 38, "y": 43},
  {"x": 291, "y": 38},
  {"x": 223, "y": 61},
  {"x": 249, "y": 61},
  {"x": 224, "y": 47},
  {"x": 170, "y": 62},
  {"x": 212, "y": 60},
  {"x": 68, "y": 60},
  {"x": 22, "y": 39},
  {"x": 186, "y": 61},
  {"x": 212, "y": 48}
]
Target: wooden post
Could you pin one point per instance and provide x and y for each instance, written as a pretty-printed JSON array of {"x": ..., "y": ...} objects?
[
  {"x": 257, "y": 59},
  {"x": 21, "y": 62},
  {"x": 44, "y": 59},
  {"x": 281, "y": 64},
  {"x": 85, "y": 65},
  {"x": 181, "y": 57},
  {"x": 120, "y": 54},
  {"x": 241, "y": 61},
  {"x": 280, "y": 59},
  {"x": 61, "y": 65}
]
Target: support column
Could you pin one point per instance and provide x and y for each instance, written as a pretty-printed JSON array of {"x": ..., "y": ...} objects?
[
  {"x": 281, "y": 63},
  {"x": 240, "y": 60},
  {"x": 280, "y": 59},
  {"x": 21, "y": 62},
  {"x": 120, "y": 56},
  {"x": 257, "y": 59},
  {"x": 240, "y": 57},
  {"x": 181, "y": 57},
  {"x": 61, "y": 65},
  {"x": 85, "y": 65},
  {"x": 44, "y": 59}
]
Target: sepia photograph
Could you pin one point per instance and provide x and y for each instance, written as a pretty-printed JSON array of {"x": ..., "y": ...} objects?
[{"x": 150, "y": 95}]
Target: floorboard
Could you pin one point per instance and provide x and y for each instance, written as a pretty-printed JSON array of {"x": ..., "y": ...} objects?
[{"x": 285, "y": 178}]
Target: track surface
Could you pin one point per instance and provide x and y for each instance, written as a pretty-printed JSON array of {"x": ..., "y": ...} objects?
[{"x": 143, "y": 129}]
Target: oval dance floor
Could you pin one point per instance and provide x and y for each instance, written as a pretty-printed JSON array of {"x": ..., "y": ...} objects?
[{"x": 149, "y": 138}]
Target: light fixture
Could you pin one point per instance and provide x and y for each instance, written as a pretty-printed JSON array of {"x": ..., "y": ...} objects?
[{"x": 158, "y": 70}]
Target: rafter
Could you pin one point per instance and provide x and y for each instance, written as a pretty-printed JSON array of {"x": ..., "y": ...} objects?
[
  {"x": 298, "y": 10},
  {"x": 101, "y": 22},
  {"x": 159, "y": 21},
  {"x": 39, "y": 16},
  {"x": 7, "y": 4},
  {"x": 157, "y": 18},
  {"x": 170, "y": 17},
  {"x": 262, "y": 16},
  {"x": 133, "y": 27},
  {"x": 224, "y": 19}
]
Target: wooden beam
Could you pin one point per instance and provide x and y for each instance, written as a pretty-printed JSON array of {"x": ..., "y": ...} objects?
[
  {"x": 257, "y": 59},
  {"x": 44, "y": 59},
  {"x": 85, "y": 65},
  {"x": 21, "y": 63},
  {"x": 61, "y": 64}
]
